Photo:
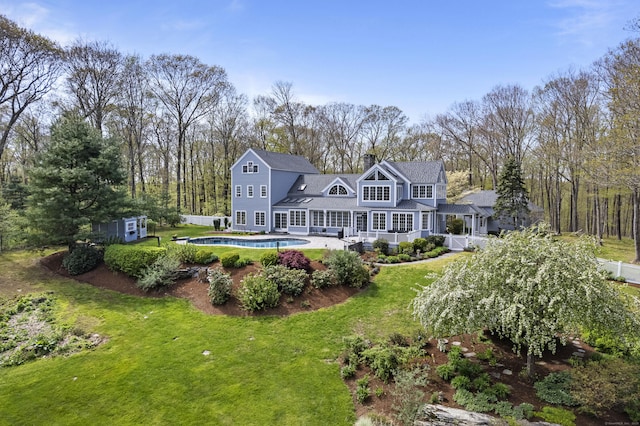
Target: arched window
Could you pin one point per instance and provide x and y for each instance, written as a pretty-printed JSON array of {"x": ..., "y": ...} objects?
[{"x": 338, "y": 190}]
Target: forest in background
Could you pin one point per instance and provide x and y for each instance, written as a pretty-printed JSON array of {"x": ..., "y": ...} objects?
[{"x": 180, "y": 124}]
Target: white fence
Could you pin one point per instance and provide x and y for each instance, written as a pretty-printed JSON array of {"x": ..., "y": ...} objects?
[
  {"x": 461, "y": 242},
  {"x": 202, "y": 220},
  {"x": 629, "y": 272},
  {"x": 391, "y": 237}
]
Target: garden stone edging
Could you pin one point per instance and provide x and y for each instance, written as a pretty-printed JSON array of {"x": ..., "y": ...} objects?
[{"x": 439, "y": 415}]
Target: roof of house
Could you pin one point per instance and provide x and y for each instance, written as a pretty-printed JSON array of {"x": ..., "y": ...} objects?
[
  {"x": 419, "y": 171},
  {"x": 487, "y": 199},
  {"x": 462, "y": 209},
  {"x": 285, "y": 162},
  {"x": 311, "y": 185}
]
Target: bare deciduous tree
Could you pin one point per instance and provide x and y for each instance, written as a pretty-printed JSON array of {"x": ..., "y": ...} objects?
[{"x": 29, "y": 67}]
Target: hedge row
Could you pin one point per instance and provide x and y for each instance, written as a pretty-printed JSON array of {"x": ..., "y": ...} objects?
[{"x": 131, "y": 259}]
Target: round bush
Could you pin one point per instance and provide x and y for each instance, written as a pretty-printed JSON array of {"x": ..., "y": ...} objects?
[
  {"x": 205, "y": 256},
  {"x": 294, "y": 259},
  {"x": 347, "y": 268},
  {"x": 322, "y": 279},
  {"x": 229, "y": 260},
  {"x": 381, "y": 245},
  {"x": 81, "y": 260},
  {"x": 220, "y": 284},
  {"x": 269, "y": 258},
  {"x": 289, "y": 281},
  {"x": 258, "y": 293}
]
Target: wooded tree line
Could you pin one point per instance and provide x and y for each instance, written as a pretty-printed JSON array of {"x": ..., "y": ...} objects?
[{"x": 181, "y": 124}]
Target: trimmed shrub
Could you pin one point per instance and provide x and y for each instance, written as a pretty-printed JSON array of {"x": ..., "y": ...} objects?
[
  {"x": 132, "y": 260},
  {"x": 185, "y": 253},
  {"x": 405, "y": 247},
  {"x": 323, "y": 279},
  {"x": 258, "y": 293},
  {"x": 420, "y": 244},
  {"x": 205, "y": 256},
  {"x": 381, "y": 245},
  {"x": 294, "y": 259},
  {"x": 404, "y": 257},
  {"x": 347, "y": 268},
  {"x": 229, "y": 260},
  {"x": 83, "y": 259},
  {"x": 436, "y": 240},
  {"x": 220, "y": 284},
  {"x": 289, "y": 281},
  {"x": 269, "y": 258},
  {"x": 242, "y": 262},
  {"x": 161, "y": 273}
]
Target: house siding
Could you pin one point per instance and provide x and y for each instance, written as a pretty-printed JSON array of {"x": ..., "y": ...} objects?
[{"x": 297, "y": 195}]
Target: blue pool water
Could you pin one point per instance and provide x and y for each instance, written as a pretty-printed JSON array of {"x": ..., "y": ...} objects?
[{"x": 245, "y": 242}]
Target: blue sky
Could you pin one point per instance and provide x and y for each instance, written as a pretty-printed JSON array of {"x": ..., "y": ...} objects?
[{"x": 421, "y": 56}]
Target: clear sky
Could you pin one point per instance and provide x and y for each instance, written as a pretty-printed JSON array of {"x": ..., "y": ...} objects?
[{"x": 418, "y": 55}]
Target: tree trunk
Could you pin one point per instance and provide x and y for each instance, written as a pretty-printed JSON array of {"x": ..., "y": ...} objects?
[
  {"x": 636, "y": 223},
  {"x": 530, "y": 363}
]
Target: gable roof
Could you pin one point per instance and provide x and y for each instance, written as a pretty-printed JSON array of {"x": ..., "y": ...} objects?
[
  {"x": 419, "y": 171},
  {"x": 285, "y": 162},
  {"x": 315, "y": 184}
]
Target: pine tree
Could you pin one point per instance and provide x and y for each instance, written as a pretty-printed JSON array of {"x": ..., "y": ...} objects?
[
  {"x": 75, "y": 182},
  {"x": 513, "y": 200}
]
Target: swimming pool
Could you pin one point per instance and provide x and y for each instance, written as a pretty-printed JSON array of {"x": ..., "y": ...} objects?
[{"x": 248, "y": 242}]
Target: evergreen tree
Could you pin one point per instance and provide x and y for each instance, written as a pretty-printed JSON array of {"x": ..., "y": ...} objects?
[
  {"x": 75, "y": 182},
  {"x": 513, "y": 200}
]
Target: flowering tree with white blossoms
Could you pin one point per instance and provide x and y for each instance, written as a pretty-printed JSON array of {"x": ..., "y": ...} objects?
[{"x": 530, "y": 288}]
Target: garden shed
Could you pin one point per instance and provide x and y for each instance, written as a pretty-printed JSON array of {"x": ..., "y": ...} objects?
[{"x": 126, "y": 229}]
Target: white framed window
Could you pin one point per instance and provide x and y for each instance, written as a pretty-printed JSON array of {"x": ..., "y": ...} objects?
[
  {"x": 338, "y": 190},
  {"x": 338, "y": 219},
  {"x": 402, "y": 222},
  {"x": 131, "y": 226},
  {"x": 297, "y": 218},
  {"x": 425, "y": 221},
  {"x": 249, "y": 167},
  {"x": 376, "y": 193},
  {"x": 250, "y": 191},
  {"x": 317, "y": 218},
  {"x": 238, "y": 191},
  {"x": 379, "y": 221},
  {"x": 260, "y": 218},
  {"x": 422, "y": 191},
  {"x": 241, "y": 217},
  {"x": 263, "y": 191}
]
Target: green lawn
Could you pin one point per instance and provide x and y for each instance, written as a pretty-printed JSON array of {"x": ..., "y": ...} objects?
[
  {"x": 613, "y": 249},
  {"x": 152, "y": 370}
]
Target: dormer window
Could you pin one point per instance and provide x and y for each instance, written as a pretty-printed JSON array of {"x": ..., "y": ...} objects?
[
  {"x": 338, "y": 190},
  {"x": 377, "y": 175},
  {"x": 249, "y": 167}
]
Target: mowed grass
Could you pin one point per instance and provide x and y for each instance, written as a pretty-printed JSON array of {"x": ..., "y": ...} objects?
[
  {"x": 612, "y": 248},
  {"x": 153, "y": 370}
]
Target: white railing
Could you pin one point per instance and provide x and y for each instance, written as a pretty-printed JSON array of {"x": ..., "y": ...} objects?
[
  {"x": 629, "y": 272},
  {"x": 461, "y": 242},
  {"x": 391, "y": 237}
]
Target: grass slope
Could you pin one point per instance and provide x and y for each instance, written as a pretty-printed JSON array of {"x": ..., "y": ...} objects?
[{"x": 265, "y": 370}]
